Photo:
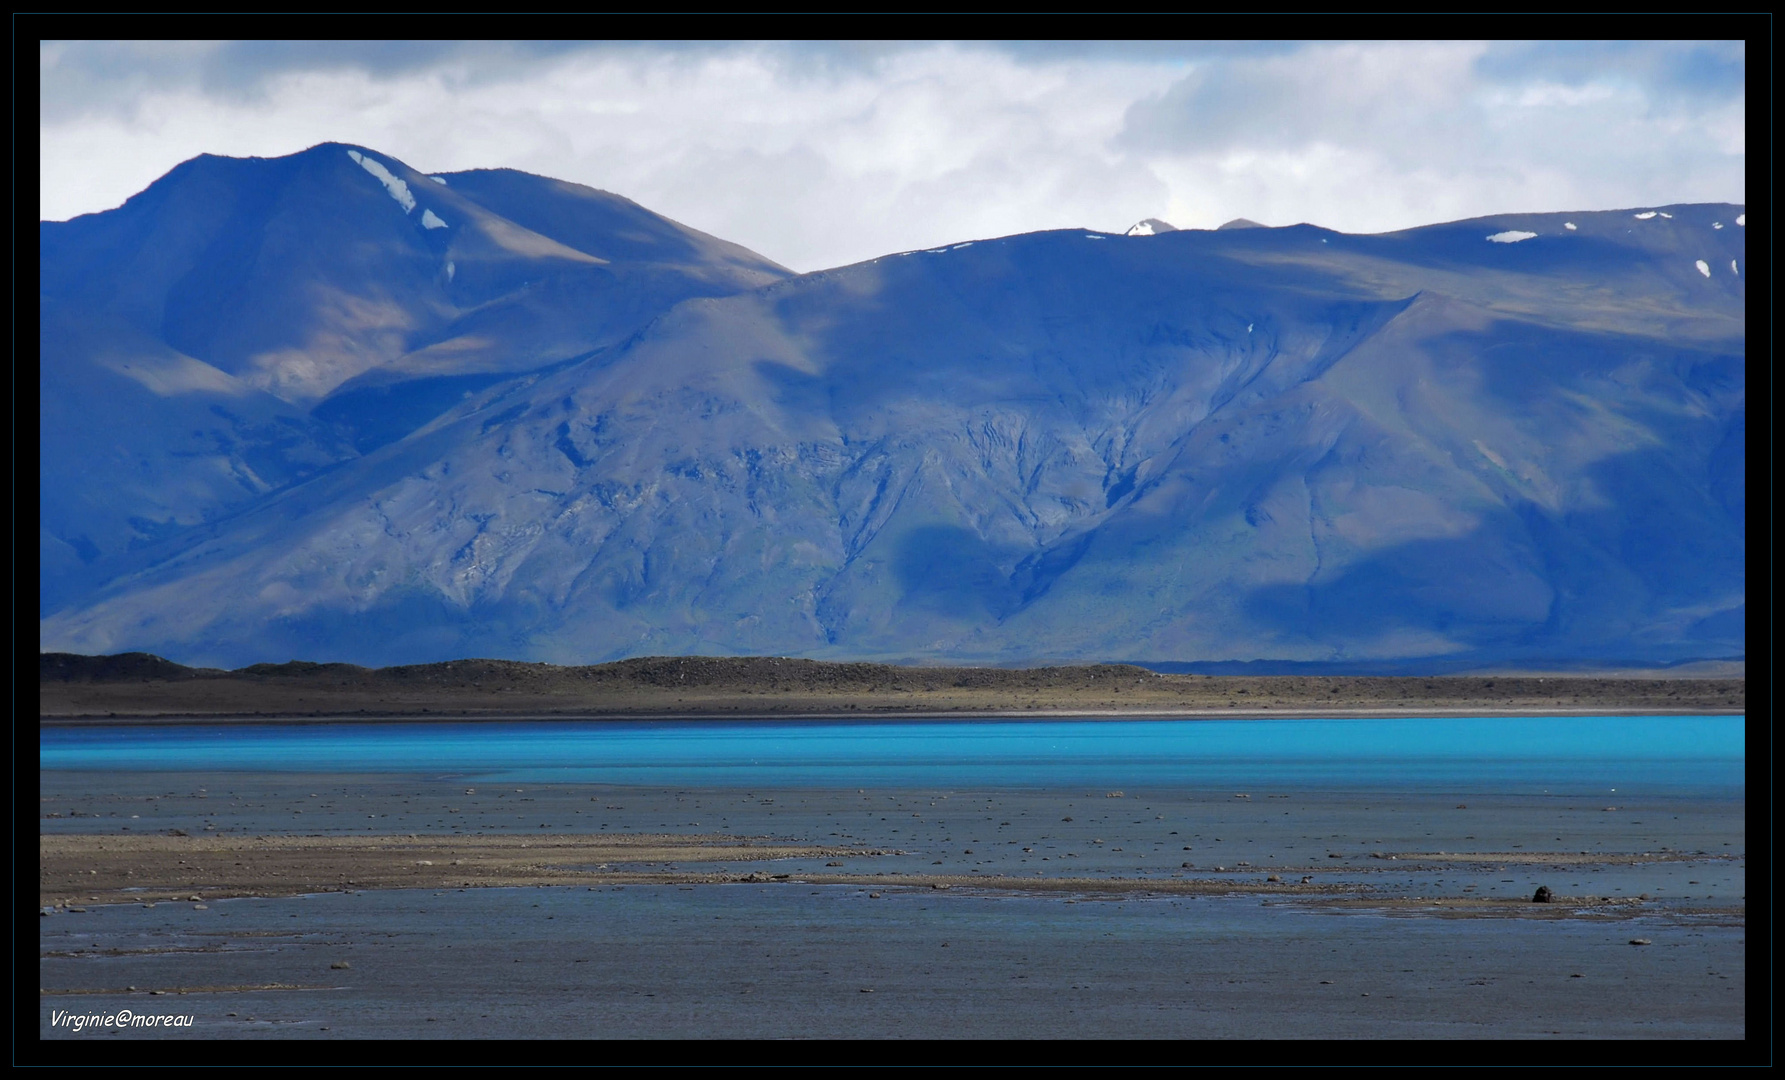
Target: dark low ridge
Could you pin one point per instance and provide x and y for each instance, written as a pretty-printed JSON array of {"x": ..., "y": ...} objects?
[
  {"x": 646, "y": 671},
  {"x": 124, "y": 667}
]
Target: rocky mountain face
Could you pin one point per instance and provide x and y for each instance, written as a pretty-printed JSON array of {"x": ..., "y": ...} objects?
[
  {"x": 243, "y": 324},
  {"x": 557, "y": 427}
]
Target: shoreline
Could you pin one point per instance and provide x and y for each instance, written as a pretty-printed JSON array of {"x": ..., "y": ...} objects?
[{"x": 870, "y": 714}]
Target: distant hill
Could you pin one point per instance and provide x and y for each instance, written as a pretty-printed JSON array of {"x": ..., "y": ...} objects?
[
  {"x": 77, "y": 689},
  {"x": 1511, "y": 439}
]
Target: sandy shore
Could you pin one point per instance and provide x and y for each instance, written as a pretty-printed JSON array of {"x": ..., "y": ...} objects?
[
  {"x": 79, "y": 869},
  {"x": 168, "y": 838},
  {"x": 114, "y": 869}
]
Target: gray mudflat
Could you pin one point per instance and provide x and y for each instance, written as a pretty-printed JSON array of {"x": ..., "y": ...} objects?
[{"x": 793, "y": 962}]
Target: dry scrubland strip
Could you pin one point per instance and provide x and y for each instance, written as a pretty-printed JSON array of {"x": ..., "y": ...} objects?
[
  {"x": 142, "y": 685},
  {"x": 76, "y": 868}
]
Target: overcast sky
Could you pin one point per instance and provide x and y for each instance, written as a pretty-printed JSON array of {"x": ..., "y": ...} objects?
[{"x": 818, "y": 155}]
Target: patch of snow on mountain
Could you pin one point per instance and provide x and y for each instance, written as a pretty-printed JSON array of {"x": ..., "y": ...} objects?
[
  {"x": 449, "y": 271},
  {"x": 1645, "y": 216},
  {"x": 958, "y": 247},
  {"x": 1249, "y": 327},
  {"x": 429, "y": 221},
  {"x": 1733, "y": 270},
  {"x": 1667, "y": 215},
  {"x": 1092, "y": 236},
  {"x": 1742, "y": 220},
  {"x": 1703, "y": 267},
  {"x": 1716, "y": 224},
  {"x": 1511, "y": 236},
  {"x": 1144, "y": 228},
  {"x": 392, "y": 183},
  {"x": 1569, "y": 225},
  {"x": 441, "y": 180}
]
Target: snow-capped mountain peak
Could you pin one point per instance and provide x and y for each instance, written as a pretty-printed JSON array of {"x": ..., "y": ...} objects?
[{"x": 1150, "y": 227}]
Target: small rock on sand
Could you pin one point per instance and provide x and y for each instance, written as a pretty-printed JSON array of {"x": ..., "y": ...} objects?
[
  {"x": 1640, "y": 941},
  {"x": 1543, "y": 895},
  {"x": 340, "y": 965}
]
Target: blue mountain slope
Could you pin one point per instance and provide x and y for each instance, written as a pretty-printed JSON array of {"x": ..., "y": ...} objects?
[
  {"x": 1287, "y": 444},
  {"x": 337, "y": 289},
  {"x": 140, "y": 442}
]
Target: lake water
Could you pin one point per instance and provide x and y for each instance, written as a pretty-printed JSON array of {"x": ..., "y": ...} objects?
[{"x": 1506, "y": 755}]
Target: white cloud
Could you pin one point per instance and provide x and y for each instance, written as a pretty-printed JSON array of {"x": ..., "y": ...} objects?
[
  {"x": 1371, "y": 137},
  {"x": 821, "y": 155}
]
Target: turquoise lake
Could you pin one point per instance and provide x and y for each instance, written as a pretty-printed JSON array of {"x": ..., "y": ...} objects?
[{"x": 1671, "y": 753}]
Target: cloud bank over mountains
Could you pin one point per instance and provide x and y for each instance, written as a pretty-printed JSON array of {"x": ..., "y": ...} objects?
[{"x": 820, "y": 155}]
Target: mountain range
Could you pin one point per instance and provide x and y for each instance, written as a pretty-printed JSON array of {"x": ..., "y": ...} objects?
[{"x": 325, "y": 406}]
